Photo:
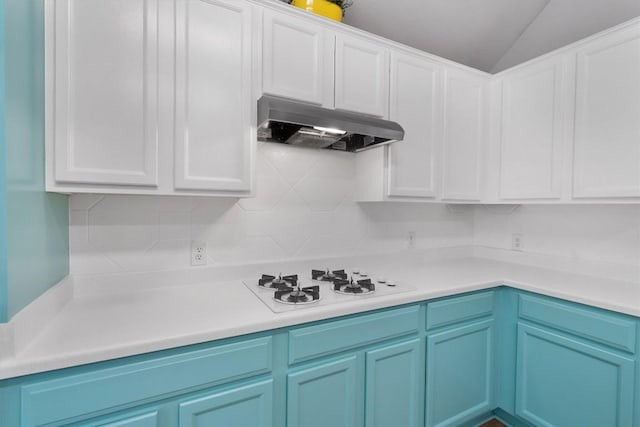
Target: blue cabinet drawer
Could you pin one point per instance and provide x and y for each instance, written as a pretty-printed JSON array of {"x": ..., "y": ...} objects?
[
  {"x": 105, "y": 389},
  {"x": 458, "y": 309},
  {"x": 332, "y": 337},
  {"x": 611, "y": 329}
]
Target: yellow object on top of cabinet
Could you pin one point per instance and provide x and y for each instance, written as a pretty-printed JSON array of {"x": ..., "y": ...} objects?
[{"x": 320, "y": 7}]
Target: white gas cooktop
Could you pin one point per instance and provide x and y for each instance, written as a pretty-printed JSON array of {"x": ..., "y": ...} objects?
[{"x": 283, "y": 292}]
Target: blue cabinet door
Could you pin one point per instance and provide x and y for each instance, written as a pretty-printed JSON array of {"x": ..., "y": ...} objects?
[
  {"x": 393, "y": 386},
  {"x": 564, "y": 382},
  {"x": 248, "y": 405},
  {"x": 460, "y": 374},
  {"x": 325, "y": 395}
]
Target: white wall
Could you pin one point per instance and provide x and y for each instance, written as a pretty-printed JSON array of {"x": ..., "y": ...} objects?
[
  {"x": 563, "y": 22},
  {"x": 605, "y": 233},
  {"x": 304, "y": 208}
]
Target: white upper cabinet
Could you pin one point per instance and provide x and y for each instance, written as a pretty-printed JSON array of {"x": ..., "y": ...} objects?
[
  {"x": 415, "y": 104},
  {"x": 606, "y": 159},
  {"x": 213, "y": 95},
  {"x": 361, "y": 76},
  {"x": 297, "y": 59},
  {"x": 532, "y": 130},
  {"x": 105, "y": 126},
  {"x": 150, "y": 96},
  {"x": 464, "y": 130}
]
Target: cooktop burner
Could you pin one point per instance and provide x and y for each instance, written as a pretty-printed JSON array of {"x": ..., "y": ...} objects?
[
  {"x": 298, "y": 295},
  {"x": 279, "y": 282},
  {"x": 328, "y": 275},
  {"x": 354, "y": 287}
]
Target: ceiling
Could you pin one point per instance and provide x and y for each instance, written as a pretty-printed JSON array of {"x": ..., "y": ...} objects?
[{"x": 489, "y": 35}]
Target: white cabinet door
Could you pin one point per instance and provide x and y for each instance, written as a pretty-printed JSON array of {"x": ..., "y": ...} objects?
[
  {"x": 105, "y": 103},
  {"x": 361, "y": 76},
  {"x": 532, "y": 131},
  {"x": 213, "y": 140},
  {"x": 464, "y": 134},
  {"x": 607, "y": 128},
  {"x": 415, "y": 104},
  {"x": 297, "y": 58}
]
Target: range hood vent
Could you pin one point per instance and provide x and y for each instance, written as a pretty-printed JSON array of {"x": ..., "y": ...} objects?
[{"x": 296, "y": 123}]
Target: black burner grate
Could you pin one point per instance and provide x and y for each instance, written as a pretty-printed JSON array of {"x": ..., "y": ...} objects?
[
  {"x": 297, "y": 294},
  {"x": 280, "y": 282},
  {"x": 354, "y": 287}
]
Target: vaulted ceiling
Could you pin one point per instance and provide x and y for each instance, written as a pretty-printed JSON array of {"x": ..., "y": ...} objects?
[{"x": 489, "y": 35}]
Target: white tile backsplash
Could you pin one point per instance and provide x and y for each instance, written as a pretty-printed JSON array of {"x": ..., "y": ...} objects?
[
  {"x": 303, "y": 208},
  {"x": 602, "y": 233}
]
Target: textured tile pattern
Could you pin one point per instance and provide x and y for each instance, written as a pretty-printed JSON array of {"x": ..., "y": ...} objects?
[{"x": 303, "y": 208}]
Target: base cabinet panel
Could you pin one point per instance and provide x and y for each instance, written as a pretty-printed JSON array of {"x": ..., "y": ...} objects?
[
  {"x": 324, "y": 395},
  {"x": 563, "y": 381},
  {"x": 249, "y": 405},
  {"x": 393, "y": 386},
  {"x": 459, "y": 374}
]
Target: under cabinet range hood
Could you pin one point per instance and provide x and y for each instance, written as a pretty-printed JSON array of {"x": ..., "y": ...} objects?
[{"x": 296, "y": 123}]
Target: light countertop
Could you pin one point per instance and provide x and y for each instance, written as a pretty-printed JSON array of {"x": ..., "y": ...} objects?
[{"x": 115, "y": 316}]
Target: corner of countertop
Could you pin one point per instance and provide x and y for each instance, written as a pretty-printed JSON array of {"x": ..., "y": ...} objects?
[{"x": 34, "y": 318}]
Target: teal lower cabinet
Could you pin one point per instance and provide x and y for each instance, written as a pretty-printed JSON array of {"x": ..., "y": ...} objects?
[
  {"x": 576, "y": 365},
  {"x": 460, "y": 359},
  {"x": 249, "y": 405},
  {"x": 564, "y": 381},
  {"x": 325, "y": 395},
  {"x": 116, "y": 393},
  {"x": 360, "y": 371},
  {"x": 393, "y": 385},
  {"x": 455, "y": 361}
]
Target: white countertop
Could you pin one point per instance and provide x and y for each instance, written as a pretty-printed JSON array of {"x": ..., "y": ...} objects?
[{"x": 108, "y": 317}]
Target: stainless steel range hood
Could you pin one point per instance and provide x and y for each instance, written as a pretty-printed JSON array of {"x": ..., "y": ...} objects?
[{"x": 296, "y": 123}]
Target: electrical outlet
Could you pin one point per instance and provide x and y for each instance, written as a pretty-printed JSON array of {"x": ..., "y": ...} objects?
[
  {"x": 411, "y": 239},
  {"x": 198, "y": 252},
  {"x": 517, "y": 242}
]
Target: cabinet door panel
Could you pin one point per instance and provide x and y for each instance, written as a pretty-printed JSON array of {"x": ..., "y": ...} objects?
[
  {"x": 415, "y": 96},
  {"x": 607, "y": 128},
  {"x": 393, "y": 386},
  {"x": 297, "y": 59},
  {"x": 106, "y": 95},
  {"x": 250, "y": 405},
  {"x": 463, "y": 138},
  {"x": 361, "y": 76},
  {"x": 564, "y": 382},
  {"x": 531, "y": 143},
  {"x": 213, "y": 95},
  {"x": 460, "y": 374},
  {"x": 324, "y": 395}
]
